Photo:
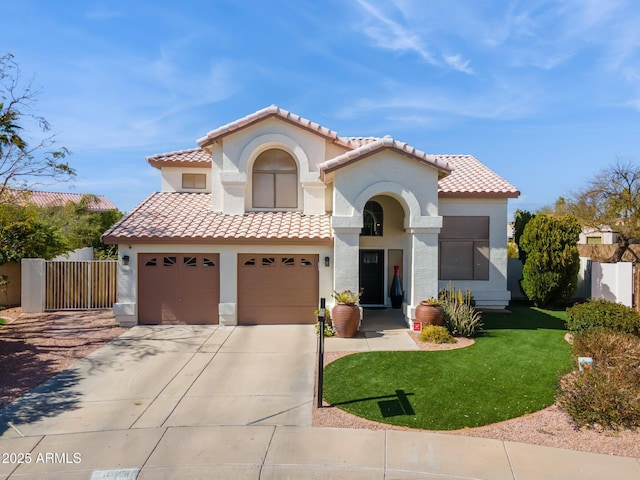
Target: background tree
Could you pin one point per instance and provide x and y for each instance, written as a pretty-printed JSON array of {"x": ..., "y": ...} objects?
[
  {"x": 521, "y": 217},
  {"x": 611, "y": 202},
  {"x": 81, "y": 226},
  {"x": 22, "y": 235},
  {"x": 25, "y": 161},
  {"x": 550, "y": 273}
]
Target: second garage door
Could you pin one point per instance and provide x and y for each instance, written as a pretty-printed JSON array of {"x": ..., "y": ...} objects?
[
  {"x": 177, "y": 288},
  {"x": 277, "y": 289}
]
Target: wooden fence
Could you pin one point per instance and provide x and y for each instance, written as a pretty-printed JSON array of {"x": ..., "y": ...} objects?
[{"x": 80, "y": 285}]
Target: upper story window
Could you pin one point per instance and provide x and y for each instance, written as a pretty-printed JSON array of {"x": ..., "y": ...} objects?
[
  {"x": 275, "y": 180},
  {"x": 372, "y": 220},
  {"x": 194, "y": 180}
]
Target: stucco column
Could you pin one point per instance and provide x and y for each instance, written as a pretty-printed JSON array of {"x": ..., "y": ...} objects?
[
  {"x": 228, "y": 306},
  {"x": 424, "y": 260},
  {"x": 346, "y": 247}
]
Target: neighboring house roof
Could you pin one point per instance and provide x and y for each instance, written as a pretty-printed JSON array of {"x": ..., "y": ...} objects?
[
  {"x": 372, "y": 146},
  {"x": 59, "y": 199},
  {"x": 187, "y": 218}
]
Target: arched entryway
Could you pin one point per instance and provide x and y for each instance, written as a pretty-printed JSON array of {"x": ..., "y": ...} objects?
[{"x": 382, "y": 244}]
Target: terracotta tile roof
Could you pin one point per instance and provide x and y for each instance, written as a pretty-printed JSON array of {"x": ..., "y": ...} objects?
[
  {"x": 271, "y": 111},
  {"x": 360, "y": 141},
  {"x": 471, "y": 178},
  {"x": 193, "y": 157},
  {"x": 375, "y": 145},
  {"x": 187, "y": 217},
  {"x": 58, "y": 199}
]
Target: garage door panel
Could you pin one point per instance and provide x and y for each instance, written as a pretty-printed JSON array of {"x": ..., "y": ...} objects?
[
  {"x": 178, "y": 288},
  {"x": 277, "y": 289}
]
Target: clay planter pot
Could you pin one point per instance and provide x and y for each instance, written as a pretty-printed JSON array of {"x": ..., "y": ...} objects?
[
  {"x": 345, "y": 319},
  {"x": 429, "y": 314}
]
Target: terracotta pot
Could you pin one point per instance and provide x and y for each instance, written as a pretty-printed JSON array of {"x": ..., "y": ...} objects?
[
  {"x": 345, "y": 319},
  {"x": 429, "y": 314}
]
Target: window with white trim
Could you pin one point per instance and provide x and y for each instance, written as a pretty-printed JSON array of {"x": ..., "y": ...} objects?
[
  {"x": 275, "y": 180},
  {"x": 194, "y": 180}
]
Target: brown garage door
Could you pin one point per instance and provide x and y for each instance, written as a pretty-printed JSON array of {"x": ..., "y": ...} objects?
[
  {"x": 277, "y": 289},
  {"x": 178, "y": 288}
]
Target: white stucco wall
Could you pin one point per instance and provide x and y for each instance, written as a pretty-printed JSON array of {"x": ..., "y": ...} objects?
[
  {"x": 413, "y": 186},
  {"x": 492, "y": 293},
  {"x": 172, "y": 179},
  {"x": 126, "y": 308},
  {"x": 234, "y": 156}
]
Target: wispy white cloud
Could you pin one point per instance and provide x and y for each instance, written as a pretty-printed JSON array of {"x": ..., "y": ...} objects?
[
  {"x": 393, "y": 35},
  {"x": 389, "y": 34},
  {"x": 502, "y": 103},
  {"x": 102, "y": 12}
]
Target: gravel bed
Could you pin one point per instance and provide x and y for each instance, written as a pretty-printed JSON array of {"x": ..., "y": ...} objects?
[
  {"x": 35, "y": 347},
  {"x": 549, "y": 427}
]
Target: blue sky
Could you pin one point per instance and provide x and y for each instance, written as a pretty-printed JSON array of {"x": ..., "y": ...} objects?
[{"x": 545, "y": 93}]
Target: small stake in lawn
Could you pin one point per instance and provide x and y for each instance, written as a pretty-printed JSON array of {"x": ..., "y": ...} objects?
[
  {"x": 321, "y": 351},
  {"x": 585, "y": 363}
]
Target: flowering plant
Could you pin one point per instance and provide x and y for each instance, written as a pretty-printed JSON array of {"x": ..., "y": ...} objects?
[{"x": 347, "y": 297}]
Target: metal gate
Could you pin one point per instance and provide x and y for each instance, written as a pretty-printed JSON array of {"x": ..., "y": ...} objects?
[{"x": 81, "y": 285}]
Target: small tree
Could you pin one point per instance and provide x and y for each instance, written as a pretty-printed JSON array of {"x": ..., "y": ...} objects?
[
  {"x": 551, "y": 268},
  {"x": 611, "y": 202},
  {"x": 522, "y": 217},
  {"x": 30, "y": 238},
  {"x": 24, "y": 163}
]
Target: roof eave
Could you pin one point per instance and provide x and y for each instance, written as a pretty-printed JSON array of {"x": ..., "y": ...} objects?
[
  {"x": 122, "y": 240},
  {"x": 449, "y": 194},
  {"x": 266, "y": 113},
  {"x": 442, "y": 171}
]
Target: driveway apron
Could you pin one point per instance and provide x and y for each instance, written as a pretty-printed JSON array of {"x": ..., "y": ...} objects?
[{"x": 159, "y": 376}]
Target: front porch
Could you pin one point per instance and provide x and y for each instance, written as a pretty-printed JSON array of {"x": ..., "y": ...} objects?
[{"x": 382, "y": 329}]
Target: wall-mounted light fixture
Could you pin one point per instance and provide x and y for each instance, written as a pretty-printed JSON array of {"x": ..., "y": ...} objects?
[
  {"x": 326, "y": 261},
  {"x": 125, "y": 260}
]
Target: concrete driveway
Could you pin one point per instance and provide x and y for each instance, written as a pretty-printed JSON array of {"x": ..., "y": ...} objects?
[{"x": 164, "y": 376}]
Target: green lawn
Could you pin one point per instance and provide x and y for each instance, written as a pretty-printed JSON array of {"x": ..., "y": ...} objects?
[{"x": 512, "y": 369}]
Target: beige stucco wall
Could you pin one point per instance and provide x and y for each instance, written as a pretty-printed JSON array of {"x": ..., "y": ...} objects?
[
  {"x": 12, "y": 296},
  {"x": 172, "y": 179},
  {"x": 237, "y": 152}
]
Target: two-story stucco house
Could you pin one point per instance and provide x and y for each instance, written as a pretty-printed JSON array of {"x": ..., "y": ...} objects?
[{"x": 271, "y": 212}]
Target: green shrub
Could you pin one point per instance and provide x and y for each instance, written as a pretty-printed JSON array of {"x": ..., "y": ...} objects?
[
  {"x": 436, "y": 334},
  {"x": 461, "y": 319},
  {"x": 329, "y": 331},
  {"x": 550, "y": 272},
  {"x": 602, "y": 314},
  {"x": 608, "y": 395}
]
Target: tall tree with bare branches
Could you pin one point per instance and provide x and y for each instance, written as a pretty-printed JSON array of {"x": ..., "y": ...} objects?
[
  {"x": 611, "y": 202},
  {"x": 26, "y": 159}
]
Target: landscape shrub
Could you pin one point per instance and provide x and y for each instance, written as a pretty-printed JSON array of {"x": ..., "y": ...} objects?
[
  {"x": 550, "y": 272},
  {"x": 608, "y": 394},
  {"x": 602, "y": 314},
  {"x": 436, "y": 334},
  {"x": 461, "y": 319}
]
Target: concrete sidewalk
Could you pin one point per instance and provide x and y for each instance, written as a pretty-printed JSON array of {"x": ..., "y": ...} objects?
[{"x": 271, "y": 452}]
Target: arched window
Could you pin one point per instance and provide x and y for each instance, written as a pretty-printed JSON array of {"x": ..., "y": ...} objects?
[
  {"x": 373, "y": 219},
  {"x": 275, "y": 180}
]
